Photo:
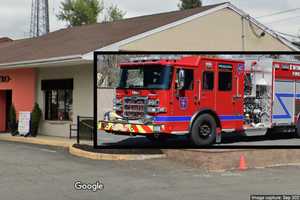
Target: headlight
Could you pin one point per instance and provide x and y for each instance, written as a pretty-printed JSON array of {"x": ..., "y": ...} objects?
[
  {"x": 153, "y": 102},
  {"x": 152, "y": 110},
  {"x": 156, "y": 110},
  {"x": 117, "y": 107},
  {"x": 162, "y": 110},
  {"x": 117, "y": 101}
]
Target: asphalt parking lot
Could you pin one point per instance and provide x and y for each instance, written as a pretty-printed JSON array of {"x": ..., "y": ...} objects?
[
  {"x": 228, "y": 139},
  {"x": 38, "y": 172}
]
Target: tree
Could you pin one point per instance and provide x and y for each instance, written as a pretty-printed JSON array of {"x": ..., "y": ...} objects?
[
  {"x": 108, "y": 71},
  {"x": 12, "y": 120},
  {"x": 187, "y": 4},
  {"x": 36, "y": 115},
  {"x": 114, "y": 13},
  {"x": 79, "y": 12}
]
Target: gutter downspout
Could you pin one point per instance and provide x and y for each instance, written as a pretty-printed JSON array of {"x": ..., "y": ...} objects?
[{"x": 243, "y": 33}]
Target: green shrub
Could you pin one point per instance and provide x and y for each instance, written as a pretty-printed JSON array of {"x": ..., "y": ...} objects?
[
  {"x": 36, "y": 115},
  {"x": 12, "y": 120}
]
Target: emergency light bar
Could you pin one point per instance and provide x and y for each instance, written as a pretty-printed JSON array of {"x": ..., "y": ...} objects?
[{"x": 154, "y": 58}]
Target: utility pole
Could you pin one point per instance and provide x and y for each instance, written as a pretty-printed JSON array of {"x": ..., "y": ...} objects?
[{"x": 39, "y": 24}]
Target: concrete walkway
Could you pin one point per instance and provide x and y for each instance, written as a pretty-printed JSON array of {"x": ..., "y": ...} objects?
[
  {"x": 42, "y": 140},
  {"x": 69, "y": 144}
]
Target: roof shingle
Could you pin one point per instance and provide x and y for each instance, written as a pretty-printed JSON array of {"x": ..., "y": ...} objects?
[{"x": 87, "y": 38}]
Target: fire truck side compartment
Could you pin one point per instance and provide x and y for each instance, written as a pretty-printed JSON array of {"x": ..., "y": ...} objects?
[{"x": 284, "y": 102}]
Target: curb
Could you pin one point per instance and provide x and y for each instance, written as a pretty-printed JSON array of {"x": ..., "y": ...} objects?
[
  {"x": 78, "y": 152},
  {"x": 105, "y": 156}
]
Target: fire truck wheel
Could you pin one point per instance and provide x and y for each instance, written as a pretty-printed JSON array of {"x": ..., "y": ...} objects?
[{"x": 203, "y": 130}]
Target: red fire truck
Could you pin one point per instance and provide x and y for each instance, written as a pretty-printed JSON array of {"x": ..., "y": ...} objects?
[{"x": 204, "y": 98}]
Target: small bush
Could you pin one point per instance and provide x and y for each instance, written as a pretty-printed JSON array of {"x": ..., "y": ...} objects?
[
  {"x": 12, "y": 120},
  {"x": 36, "y": 115}
]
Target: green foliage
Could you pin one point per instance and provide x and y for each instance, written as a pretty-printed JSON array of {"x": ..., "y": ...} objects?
[
  {"x": 114, "y": 13},
  {"x": 36, "y": 115},
  {"x": 12, "y": 120},
  {"x": 80, "y": 12},
  {"x": 187, "y": 4}
]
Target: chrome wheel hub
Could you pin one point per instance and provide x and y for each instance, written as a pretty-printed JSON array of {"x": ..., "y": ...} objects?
[{"x": 204, "y": 130}]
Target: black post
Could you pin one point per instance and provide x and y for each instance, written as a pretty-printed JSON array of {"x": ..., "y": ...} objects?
[
  {"x": 92, "y": 132},
  {"x": 78, "y": 121}
]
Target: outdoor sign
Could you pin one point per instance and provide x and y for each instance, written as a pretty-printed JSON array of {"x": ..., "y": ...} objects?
[
  {"x": 24, "y": 123},
  {"x": 4, "y": 79}
]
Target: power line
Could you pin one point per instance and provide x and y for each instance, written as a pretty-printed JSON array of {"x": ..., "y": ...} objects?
[
  {"x": 280, "y": 20},
  {"x": 278, "y": 13},
  {"x": 288, "y": 34}
]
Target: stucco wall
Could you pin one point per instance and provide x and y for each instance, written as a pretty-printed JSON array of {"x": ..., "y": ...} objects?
[
  {"x": 105, "y": 101},
  {"x": 82, "y": 95},
  {"x": 22, "y": 83},
  {"x": 218, "y": 31}
]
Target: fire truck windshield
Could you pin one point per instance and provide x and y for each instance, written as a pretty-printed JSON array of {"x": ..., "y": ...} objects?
[{"x": 146, "y": 77}]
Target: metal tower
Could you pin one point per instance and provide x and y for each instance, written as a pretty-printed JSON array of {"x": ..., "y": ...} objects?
[{"x": 39, "y": 24}]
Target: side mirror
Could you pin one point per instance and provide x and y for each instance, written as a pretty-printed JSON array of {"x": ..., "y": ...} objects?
[{"x": 181, "y": 79}]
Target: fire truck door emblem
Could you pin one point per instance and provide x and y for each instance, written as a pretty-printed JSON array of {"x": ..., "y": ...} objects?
[{"x": 183, "y": 101}]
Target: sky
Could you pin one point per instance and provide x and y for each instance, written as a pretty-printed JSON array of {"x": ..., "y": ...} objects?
[{"x": 15, "y": 14}]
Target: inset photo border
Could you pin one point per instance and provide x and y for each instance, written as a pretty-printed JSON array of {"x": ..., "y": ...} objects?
[{"x": 202, "y": 100}]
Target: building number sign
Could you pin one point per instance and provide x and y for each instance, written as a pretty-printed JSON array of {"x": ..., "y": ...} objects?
[{"x": 4, "y": 79}]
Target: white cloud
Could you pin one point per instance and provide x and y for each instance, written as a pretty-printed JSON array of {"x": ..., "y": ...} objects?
[{"x": 15, "y": 14}]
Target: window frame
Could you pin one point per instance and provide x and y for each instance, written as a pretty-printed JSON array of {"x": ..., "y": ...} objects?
[
  {"x": 193, "y": 77},
  {"x": 225, "y": 68},
  {"x": 231, "y": 87},
  {"x": 48, "y": 108},
  {"x": 213, "y": 80}
]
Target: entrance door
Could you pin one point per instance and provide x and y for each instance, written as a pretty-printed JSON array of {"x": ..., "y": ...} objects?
[
  {"x": 8, "y": 94},
  {"x": 229, "y": 95},
  {"x": 2, "y": 111},
  {"x": 183, "y": 100},
  {"x": 207, "y": 85}
]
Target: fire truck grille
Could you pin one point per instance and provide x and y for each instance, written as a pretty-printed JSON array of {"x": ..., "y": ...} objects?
[{"x": 134, "y": 107}]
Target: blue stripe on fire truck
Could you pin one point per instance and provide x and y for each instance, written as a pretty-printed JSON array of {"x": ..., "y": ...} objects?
[
  {"x": 280, "y": 96},
  {"x": 231, "y": 117},
  {"x": 188, "y": 118},
  {"x": 172, "y": 119}
]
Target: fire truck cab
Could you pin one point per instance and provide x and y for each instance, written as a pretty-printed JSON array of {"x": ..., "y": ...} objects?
[{"x": 204, "y": 97}]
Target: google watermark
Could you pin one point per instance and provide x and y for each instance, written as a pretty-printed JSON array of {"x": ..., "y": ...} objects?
[{"x": 90, "y": 187}]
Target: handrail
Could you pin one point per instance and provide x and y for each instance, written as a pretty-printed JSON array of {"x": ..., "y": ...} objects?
[{"x": 79, "y": 122}]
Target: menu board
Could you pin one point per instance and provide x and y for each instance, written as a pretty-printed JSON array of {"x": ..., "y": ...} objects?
[{"x": 24, "y": 123}]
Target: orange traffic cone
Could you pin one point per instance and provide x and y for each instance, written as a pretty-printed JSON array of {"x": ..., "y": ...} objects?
[{"x": 242, "y": 163}]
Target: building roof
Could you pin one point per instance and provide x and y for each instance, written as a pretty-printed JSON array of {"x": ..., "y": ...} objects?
[
  {"x": 74, "y": 42},
  {"x": 87, "y": 38},
  {"x": 5, "y": 41}
]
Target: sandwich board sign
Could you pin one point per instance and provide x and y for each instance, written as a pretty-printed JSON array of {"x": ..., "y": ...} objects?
[{"x": 24, "y": 123}]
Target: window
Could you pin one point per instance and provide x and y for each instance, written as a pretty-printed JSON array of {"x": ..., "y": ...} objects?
[
  {"x": 285, "y": 66},
  {"x": 58, "y": 99},
  {"x": 225, "y": 67},
  {"x": 149, "y": 77},
  {"x": 188, "y": 79},
  {"x": 208, "y": 80},
  {"x": 225, "y": 81}
]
